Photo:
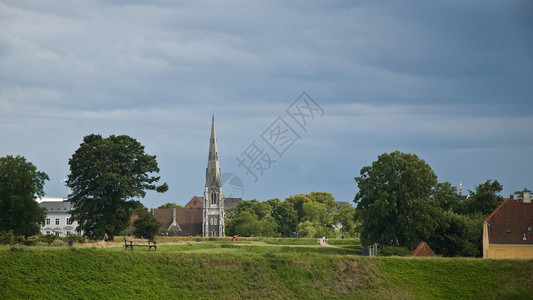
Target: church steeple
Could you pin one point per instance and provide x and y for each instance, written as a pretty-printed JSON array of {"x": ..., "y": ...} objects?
[
  {"x": 213, "y": 215},
  {"x": 212, "y": 175}
]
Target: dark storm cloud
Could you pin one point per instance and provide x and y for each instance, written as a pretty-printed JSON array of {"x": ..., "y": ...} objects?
[{"x": 442, "y": 80}]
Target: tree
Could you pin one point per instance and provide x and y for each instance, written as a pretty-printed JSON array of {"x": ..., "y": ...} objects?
[
  {"x": 285, "y": 215},
  {"x": 251, "y": 218},
  {"x": 458, "y": 235},
  {"x": 105, "y": 175},
  {"x": 520, "y": 194},
  {"x": 20, "y": 184},
  {"x": 306, "y": 229},
  {"x": 146, "y": 225},
  {"x": 446, "y": 195},
  {"x": 170, "y": 205},
  {"x": 484, "y": 200},
  {"x": 346, "y": 217},
  {"x": 317, "y": 208},
  {"x": 393, "y": 202}
]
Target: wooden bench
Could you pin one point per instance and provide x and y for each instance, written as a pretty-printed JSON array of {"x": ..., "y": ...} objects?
[{"x": 139, "y": 243}]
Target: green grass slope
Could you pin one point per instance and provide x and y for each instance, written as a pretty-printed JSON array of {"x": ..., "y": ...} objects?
[{"x": 252, "y": 269}]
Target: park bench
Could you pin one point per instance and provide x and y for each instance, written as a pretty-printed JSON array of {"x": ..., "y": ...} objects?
[{"x": 139, "y": 243}]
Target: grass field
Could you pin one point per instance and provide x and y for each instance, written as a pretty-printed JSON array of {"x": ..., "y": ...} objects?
[{"x": 251, "y": 268}]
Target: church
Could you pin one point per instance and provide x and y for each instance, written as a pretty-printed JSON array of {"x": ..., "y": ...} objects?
[{"x": 202, "y": 215}]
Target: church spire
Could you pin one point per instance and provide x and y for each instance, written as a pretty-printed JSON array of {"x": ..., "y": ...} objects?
[
  {"x": 212, "y": 177},
  {"x": 213, "y": 216}
]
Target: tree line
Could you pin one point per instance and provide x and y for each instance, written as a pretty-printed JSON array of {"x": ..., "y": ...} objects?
[
  {"x": 310, "y": 215},
  {"x": 399, "y": 204},
  {"x": 399, "y": 201}
]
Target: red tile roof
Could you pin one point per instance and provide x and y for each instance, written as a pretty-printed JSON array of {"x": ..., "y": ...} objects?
[
  {"x": 511, "y": 222},
  {"x": 423, "y": 250},
  {"x": 195, "y": 202}
]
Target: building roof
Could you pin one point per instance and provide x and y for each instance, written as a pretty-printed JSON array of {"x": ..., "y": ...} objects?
[
  {"x": 195, "y": 202},
  {"x": 188, "y": 219},
  {"x": 55, "y": 204},
  {"x": 511, "y": 223},
  {"x": 423, "y": 250},
  {"x": 228, "y": 202}
]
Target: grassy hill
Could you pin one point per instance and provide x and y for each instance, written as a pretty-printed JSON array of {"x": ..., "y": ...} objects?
[{"x": 255, "y": 268}]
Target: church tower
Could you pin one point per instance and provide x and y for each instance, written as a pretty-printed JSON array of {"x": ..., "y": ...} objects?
[{"x": 213, "y": 215}]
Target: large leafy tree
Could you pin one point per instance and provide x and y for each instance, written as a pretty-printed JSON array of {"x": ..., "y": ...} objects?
[
  {"x": 20, "y": 184},
  {"x": 105, "y": 175},
  {"x": 394, "y": 200}
]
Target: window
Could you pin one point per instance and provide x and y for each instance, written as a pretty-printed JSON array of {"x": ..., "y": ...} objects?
[
  {"x": 194, "y": 202},
  {"x": 48, "y": 232},
  {"x": 529, "y": 228},
  {"x": 213, "y": 198},
  {"x": 69, "y": 222},
  {"x": 47, "y": 221},
  {"x": 57, "y": 221}
]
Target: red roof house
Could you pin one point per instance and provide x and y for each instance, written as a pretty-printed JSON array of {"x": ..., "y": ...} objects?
[{"x": 508, "y": 230}]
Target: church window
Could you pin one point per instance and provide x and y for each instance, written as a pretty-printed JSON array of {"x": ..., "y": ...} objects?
[{"x": 213, "y": 198}]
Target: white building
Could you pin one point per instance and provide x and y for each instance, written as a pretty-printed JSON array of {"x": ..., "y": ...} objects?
[{"x": 57, "y": 219}]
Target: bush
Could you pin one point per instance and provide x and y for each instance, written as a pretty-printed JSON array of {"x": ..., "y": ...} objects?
[
  {"x": 75, "y": 238},
  {"x": 16, "y": 249},
  {"x": 47, "y": 238},
  {"x": 8, "y": 238},
  {"x": 57, "y": 243},
  {"x": 394, "y": 251}
]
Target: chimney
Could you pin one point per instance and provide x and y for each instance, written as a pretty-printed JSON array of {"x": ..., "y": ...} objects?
[{"x": 526, "y": 198}]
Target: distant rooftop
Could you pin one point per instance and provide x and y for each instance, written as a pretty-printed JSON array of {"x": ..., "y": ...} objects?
[{"x": 50, "y": 199}]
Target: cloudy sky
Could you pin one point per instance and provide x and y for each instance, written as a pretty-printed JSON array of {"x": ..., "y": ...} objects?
[{"x": 450, "y": 81}]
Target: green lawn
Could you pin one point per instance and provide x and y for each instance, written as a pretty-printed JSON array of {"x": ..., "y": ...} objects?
[{"x": 252, "y": 268}]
